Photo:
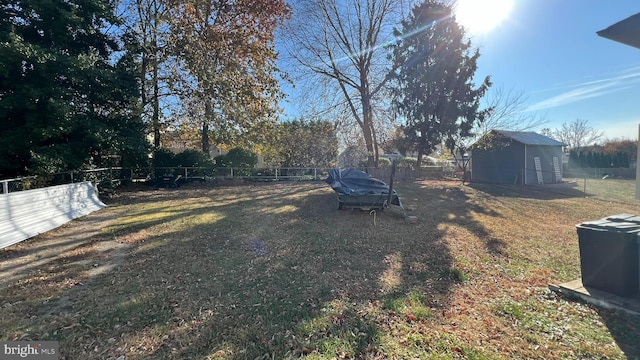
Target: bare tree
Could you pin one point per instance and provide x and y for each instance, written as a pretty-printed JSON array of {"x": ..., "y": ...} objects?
[
  {"x": 577, "y": 134},
  {"x": 547, "y": 132},
  {"x": 341, "y": 41},
  {"x": 507, "y": 112}
]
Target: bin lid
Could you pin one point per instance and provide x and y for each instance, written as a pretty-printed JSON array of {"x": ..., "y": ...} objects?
[
  {"x": 625, "y": 218},
  {"x": 617, "y": 225}
]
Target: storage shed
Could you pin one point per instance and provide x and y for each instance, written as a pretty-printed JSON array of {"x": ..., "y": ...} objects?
[{"x": 516, "y": 157}]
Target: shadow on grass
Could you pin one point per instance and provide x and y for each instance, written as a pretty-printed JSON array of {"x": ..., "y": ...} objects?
[
  {"x": 454, "y": 206},
  {"x": 278, "y": 273},
  {"x": 625, "y": 329},
  {"x": 539, "y": 192}
]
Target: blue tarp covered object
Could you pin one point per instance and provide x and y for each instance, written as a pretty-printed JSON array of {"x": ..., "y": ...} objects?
[{"x": 356, "y": 188}]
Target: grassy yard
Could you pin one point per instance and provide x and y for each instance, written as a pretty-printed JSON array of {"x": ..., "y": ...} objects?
[
  {"x": 275, "y": 271},
  {"x": 614, "y": 189}
]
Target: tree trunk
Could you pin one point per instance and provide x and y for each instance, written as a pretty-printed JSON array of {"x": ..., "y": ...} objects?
[
  {"x": 205, "y": 128},
  {"x": 367, "y": 129},
  {"x": 376, "y": 148},
  {"x": 205, "y": 137},
  {"x": 144, "y": 66},
  {"x": 368, "y": 141},
  {"x": 419, "y": 159},
  {"x": 156, "y": 92},
  {"x": 156, "y": 107}
]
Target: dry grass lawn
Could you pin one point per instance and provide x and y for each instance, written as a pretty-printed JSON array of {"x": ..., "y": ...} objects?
[{"x": 273, "y": 271}]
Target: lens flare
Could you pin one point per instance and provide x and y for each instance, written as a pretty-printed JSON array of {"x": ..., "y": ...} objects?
[{"x": 479, "y": 16}]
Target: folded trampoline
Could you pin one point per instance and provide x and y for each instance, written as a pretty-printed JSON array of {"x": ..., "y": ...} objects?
[{"x": 357, "y": 189}]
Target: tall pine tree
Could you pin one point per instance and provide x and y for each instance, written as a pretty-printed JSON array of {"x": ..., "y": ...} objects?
[{"x": 434, "y": 89}]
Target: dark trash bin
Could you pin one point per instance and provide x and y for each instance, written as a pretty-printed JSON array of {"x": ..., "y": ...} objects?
[{"x": 609, "y": 254}]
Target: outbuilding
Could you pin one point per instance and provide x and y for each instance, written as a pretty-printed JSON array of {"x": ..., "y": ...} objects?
[{"x": 516, "y": 157}]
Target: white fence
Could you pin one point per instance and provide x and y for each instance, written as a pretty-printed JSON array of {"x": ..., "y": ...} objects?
[{"x": 24, "y": 214}]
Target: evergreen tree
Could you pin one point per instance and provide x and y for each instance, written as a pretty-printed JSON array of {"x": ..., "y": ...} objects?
[
  {"x": 592, "y": 159},
  {"x": 582, "y": 161},
  {"x": 626, "y": 161},
  {"x": 68, "y": 93},
  {"x": 616, "y": 160},
  {"x": 597, "y": 157},
  {"x": 609, "y": 160},
  {"x": 433, "y": 83},
  {"x": 602, "y": 160},
  {"x": 574, "y": 162}
]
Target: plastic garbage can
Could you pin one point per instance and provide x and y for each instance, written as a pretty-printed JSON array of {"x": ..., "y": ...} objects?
[{"x": 609, "y": 254}]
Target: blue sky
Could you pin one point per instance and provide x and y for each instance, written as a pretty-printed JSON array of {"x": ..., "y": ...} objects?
[{"x": 549, "y": 51}]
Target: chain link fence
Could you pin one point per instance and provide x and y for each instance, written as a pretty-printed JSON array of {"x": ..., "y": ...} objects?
[
  {"x": 110, "y": 178},
  {"x": 104, "y": 178},
  {"x": 612, "y": 189},
  {"x": 615, "y": 184},
  {"x": 605, "y": 186}
]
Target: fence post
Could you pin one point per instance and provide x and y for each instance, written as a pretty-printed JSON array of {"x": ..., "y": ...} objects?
[
  {"x": 315, "y": 174},
  {"x": 5, "y": 187},
  {"x": 232, "y": 173},
  {"x": 638, "y": 167},
  {"x": 276, "y": 174},
  {"x": 393, "y": 173},
  {"x": 186, "y": 174}
]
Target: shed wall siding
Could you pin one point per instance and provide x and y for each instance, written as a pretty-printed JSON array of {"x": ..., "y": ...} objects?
[
  {"x": 546, "y": 154},
  {"x": 506, "y": 165},
  {"x": 499, "y": 166}
]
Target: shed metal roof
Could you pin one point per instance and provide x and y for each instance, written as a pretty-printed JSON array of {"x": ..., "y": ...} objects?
[{"x": 530, "y": 138}]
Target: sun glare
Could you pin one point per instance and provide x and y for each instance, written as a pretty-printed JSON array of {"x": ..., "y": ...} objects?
[{"x": 479, "y": 16}]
